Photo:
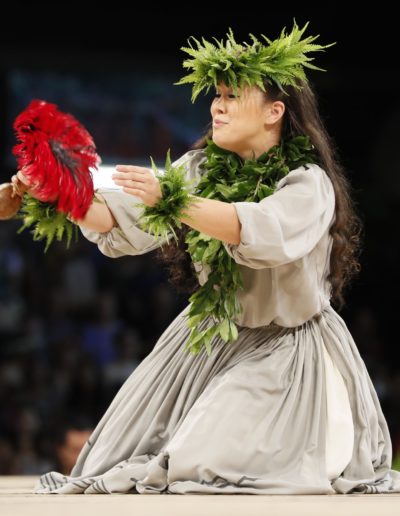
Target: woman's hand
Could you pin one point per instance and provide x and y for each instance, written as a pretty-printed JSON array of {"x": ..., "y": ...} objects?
[
  {"x": 138, "y": 181},
  {"x": 19, "y": 178}
]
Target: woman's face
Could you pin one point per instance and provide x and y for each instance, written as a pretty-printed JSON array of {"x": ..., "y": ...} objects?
[{"x": 242, "y": 123}]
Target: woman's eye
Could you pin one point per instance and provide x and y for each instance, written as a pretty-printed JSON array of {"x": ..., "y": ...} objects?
[{"x": 231, "y": 95}]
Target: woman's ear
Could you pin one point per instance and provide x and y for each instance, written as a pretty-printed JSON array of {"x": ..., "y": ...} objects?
[{"x": 274, "y": 112}]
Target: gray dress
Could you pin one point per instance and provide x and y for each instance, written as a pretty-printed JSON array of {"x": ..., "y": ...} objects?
[{"x": 287, "y": 408}]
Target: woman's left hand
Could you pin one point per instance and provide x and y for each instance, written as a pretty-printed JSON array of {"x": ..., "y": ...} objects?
[{"x": 138, "y": 181}]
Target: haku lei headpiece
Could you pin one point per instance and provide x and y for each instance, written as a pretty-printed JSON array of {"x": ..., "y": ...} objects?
[{"x": 282, "y": 61}]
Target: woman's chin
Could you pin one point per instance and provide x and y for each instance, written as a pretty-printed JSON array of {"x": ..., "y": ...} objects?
[{"x": 222, "y": 143}]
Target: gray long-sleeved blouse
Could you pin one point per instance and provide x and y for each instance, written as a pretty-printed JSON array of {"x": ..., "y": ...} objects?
[{"x": 284, "y": 247}]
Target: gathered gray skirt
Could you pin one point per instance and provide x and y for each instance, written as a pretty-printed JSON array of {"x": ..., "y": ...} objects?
[{"x": 253, "y": 418}]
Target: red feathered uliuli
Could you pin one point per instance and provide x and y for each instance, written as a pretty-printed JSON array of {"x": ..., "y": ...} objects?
[{"x": 55, "y": 152}]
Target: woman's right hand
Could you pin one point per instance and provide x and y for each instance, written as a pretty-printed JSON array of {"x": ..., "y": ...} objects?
[{"x": 19, "y": 178}]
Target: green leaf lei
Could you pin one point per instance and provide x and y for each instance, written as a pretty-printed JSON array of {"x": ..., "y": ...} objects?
[
  {"x": 48, "y": 223},
  {"x": 227, "y": 178},
  {"x": 160, "y": 221}
]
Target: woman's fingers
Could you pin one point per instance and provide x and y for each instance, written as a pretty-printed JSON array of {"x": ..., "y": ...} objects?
[
  {"x": 133, "y": 168},
  {"x": 130, "y": 177},
  {"x": 134, "y": 191},
  {"x": 138, "y": 181},
  {"x": 22, "y": 177},
  {"x": 22, "y": 184},
  {"x": 131, "y": 183},
  {"x": 141, "y": 174},
  {"x": 19, "y": 186}
]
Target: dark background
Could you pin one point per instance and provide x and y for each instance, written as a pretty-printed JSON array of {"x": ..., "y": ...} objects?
[{"x": 75, "y": 323}]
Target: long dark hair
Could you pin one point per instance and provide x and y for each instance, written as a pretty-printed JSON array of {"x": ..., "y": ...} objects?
[{"x": 301, "y": 116}]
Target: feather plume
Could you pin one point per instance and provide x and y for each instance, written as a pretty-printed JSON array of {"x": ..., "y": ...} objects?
[{"x": 56, "y": 154}]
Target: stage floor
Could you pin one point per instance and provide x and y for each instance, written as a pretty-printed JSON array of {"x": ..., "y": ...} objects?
[{"x": 17, "y": 500}]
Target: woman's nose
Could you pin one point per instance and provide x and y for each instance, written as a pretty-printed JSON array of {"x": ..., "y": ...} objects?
[{"x": 219, "y": 106}]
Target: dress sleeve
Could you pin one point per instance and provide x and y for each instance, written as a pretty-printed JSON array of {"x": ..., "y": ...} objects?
[
  {"x": 127, "y": 238},
  {"x": 286, "y": 225}
]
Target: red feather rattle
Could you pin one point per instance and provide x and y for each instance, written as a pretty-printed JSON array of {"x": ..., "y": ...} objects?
[{"x": 55, "y": 153}]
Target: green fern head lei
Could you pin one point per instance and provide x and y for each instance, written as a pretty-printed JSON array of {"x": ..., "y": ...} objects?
[{"x": 282, "y": 61}]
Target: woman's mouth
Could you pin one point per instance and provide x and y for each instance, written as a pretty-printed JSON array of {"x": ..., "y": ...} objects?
[{"x": 218, "y": 123}]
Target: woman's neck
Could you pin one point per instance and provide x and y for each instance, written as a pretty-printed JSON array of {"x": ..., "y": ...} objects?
[{"x": 259, "y": 148}]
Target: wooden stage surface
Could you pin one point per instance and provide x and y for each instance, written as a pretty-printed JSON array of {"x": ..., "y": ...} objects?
[{"x": 16, "y": 499}]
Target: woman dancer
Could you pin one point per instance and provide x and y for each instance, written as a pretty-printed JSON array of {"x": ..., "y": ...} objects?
[{"x": 276, "y": 398}]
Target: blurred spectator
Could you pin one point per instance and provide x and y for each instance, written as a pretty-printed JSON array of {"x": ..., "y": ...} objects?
[
  {"x": 364, "y": 329},
  {"x": 129, "y": 348},
  {"x": 70, "y": 442},
  {"x": 79, "y": 280},
  {"x": 7, "y": 458},
  {"x": 86, "y": 391},
  {"x": 98, "y": 335}
]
